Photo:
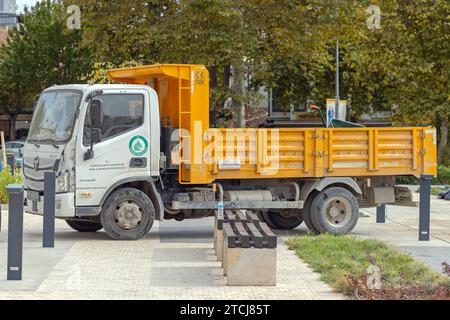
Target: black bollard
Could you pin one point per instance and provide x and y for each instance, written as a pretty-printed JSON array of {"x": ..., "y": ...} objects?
[
  {"x": 15, "y": 232},
  {"x": 425, "y": 202},
  {"x": 381, "y": 214},
  {"x": 49, "y": 210}
]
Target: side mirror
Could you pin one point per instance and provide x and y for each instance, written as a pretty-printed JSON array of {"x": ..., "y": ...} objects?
[
  {"x": 96, "y": 112},
  {"x": 96, "y": 135},
  {"x": 96, "y": 115}
]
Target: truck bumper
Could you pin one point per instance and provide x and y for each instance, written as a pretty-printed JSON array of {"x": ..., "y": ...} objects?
[{"x": 64, "y": 203}]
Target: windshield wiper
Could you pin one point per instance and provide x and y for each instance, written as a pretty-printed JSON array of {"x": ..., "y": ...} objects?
[
  {"x": 34, "y": 143},
  {"x": 52, "y": 143}
]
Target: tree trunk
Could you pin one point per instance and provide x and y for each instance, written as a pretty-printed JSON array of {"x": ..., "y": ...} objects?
[
  {"x": 237, "y": 93},
  {"x": 12, "y": 126},
  {"x": 13, "y": 115},
  {"x": 213, "y": 88},
  {"x": 444, "y": 140},
  {"x": 226, "y": 76}
]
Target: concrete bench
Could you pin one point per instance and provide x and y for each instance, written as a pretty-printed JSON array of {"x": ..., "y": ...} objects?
[{"x": 248, "y": 255}]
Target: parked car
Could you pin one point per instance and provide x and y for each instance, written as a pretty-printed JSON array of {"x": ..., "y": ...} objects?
[{"x": 14, "y": 148}]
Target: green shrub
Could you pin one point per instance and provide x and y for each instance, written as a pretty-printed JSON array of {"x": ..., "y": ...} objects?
[
  {"x": 409, "y": 180},
  {"x": 6, "y": 178},
  {"x": 447, "y": 156},
  {"x": 434, "y": 190},
  {"x": 442, "y": 178},
  {"x": 443, "y": 175}
]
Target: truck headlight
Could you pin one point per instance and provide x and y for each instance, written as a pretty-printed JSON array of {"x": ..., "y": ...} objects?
[{"x": 63, "y": 183}]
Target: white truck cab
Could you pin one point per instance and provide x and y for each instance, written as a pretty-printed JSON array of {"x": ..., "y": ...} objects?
[{"x": 125, "y": 148}]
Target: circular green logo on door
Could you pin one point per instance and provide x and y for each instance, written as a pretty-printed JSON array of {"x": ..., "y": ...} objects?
[{"x": 138, "y": 146}]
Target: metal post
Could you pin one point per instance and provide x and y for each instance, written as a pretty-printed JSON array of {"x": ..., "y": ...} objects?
[
  {"x": 49, "y": 210},
  {"x": 381, "y": 214},
  {"x": 338, "y": 98},
  {"x": 425, "y": 202},
  {"x": 11, "y": 164},
  {"x": 15, "y": 232}
]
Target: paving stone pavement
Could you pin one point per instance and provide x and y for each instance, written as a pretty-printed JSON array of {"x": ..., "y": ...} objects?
[{"x": 175, "y": 261}]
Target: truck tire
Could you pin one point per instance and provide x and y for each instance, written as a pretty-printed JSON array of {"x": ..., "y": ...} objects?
[
  {"x": 128, "y": 214},
  {"x": 283, "y": 220},
  {"x": 84, "y": 226},
  {"x": 335, "y": 211},
  {"x": 307, "y": 213}
]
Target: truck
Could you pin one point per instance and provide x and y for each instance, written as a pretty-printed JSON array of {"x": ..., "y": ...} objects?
[{"x": 141, "y": 150}]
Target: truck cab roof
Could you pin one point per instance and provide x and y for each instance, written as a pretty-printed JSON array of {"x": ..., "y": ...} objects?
[{"x": 88, "y": 88}]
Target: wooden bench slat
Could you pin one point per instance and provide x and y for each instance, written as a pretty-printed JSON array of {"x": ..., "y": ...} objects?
[
  {"x": 228, "y": 214},
  {"x": 255, "y": 235},
  {"x": 230, "y": 235},
  {"x": 242, "y": 235},
  {"x": 269, "y": 237},
  {"x": 252, "y": 217},
  {"x": 241, "y": 215}
]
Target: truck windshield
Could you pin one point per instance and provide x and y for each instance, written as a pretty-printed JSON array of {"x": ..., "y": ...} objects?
[{"x": 54, "y": 116}]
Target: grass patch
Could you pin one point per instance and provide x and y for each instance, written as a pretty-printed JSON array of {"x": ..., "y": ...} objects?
[{"x": 343, "y": 263}]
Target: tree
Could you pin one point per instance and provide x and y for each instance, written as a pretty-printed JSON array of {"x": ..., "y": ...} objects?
[
  {"x": 289, "y": 46},
  {"x": 407, "y": 63},
  {"x": 206, "y": 32},
  {"x": 39, "y": 53}
]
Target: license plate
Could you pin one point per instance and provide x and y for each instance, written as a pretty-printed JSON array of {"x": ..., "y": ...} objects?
[{"x": 33, "y": 196}]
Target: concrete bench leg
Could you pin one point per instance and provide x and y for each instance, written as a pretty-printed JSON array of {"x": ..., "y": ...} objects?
[
  {"x": 224, "y": 258},
  {"x": 219, "y": 245},
  {"x": 218, "y": 240},
  {"x": 251, "y": 267},
  {"x": 215, "y": 239}
]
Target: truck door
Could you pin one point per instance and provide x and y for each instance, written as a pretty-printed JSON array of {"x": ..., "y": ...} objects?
[{"x": 123, "y": 152}]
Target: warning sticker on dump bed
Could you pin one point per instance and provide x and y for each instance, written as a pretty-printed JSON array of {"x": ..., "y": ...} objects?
[
  {"x": 433, "y": 132},
  {"x": 229, "y": 164}
]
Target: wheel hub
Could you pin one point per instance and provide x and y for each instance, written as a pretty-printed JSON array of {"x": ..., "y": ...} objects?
[
  {"x": 338, "y": 211},
  {"x": 128, "y": 215}
]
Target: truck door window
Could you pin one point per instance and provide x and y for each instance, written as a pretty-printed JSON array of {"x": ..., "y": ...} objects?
[{"x": 121, "y": 113}]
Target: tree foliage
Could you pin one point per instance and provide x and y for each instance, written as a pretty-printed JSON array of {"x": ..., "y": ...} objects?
[
  {"x": 39, "y": 53},
  {"x": 287, "y": 45}
]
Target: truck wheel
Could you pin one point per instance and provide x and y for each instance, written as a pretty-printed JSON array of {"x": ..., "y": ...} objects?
[
  {"x": 335, "y": 211},
  {"x": 285, "y": 220},
  {"x": 307, "y": 213},
  {"x": 84, "y": 226},
  {"x": 128, "y": 214}
]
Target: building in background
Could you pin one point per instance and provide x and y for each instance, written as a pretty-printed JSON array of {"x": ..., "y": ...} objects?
[
  {"x": 9, "y": 19},
  {"x": 8, "y": 6}
]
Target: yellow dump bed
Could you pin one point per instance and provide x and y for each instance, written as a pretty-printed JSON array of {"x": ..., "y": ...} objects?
[
  {"x": 207, "y": 155},
  {"x": 315, "y": 153}
]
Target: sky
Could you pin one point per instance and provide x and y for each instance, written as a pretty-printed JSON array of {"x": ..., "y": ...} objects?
[{"x": 22, "y": 3}]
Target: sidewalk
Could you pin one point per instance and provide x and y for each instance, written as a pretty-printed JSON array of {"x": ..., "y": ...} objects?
[{"x": 176, "y": 261}]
